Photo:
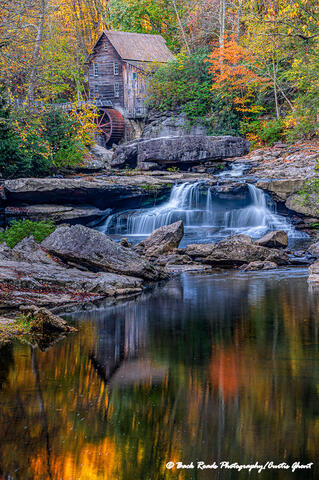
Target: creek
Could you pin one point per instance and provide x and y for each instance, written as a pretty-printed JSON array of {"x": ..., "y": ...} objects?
[
  {"x": 207, "y": 367},
  {"x": 219, "y": 367}
]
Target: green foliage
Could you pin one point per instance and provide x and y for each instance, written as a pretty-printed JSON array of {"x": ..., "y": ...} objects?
[
  {"x": 21, "y": 326},
  {"x": 146, "y": 16},
  {"x": 59, "y": 128},
  {"x": 37, "y": 143},
  {"x": 21, "y": 229},
  {"x": 68, "y": 156},
  {"x": 15, "y": 159},
  {"x": 61, "y": 132},
  {"x": 185, "y": 84},
  {"x": 265, "y": 132},
  {"x": 272, "y": 131},
  {"x": 303, "y": 120}
]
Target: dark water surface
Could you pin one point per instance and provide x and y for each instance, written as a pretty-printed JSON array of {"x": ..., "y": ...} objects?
[{"x": 212, "y": 368}]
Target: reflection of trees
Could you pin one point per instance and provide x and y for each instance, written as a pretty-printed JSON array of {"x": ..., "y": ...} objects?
[
  {"x": 210, "y": 370},
  {"x": 6, "y": 360}
]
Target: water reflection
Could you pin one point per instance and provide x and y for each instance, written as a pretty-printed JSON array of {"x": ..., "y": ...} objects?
[{"x": 219, "y": 367}]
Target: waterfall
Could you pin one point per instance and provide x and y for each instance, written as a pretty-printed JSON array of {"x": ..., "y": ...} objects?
[
  {"x": 204, "y": 214},
  {"x": 258, "y": 217}
]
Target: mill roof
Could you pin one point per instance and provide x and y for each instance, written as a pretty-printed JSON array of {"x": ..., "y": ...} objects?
[{"x": 141, "y": 47}]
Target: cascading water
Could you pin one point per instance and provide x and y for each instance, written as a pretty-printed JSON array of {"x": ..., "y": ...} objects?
[
  {"x": 205, "y": 214},
  {"x": 236, "y": 170}
]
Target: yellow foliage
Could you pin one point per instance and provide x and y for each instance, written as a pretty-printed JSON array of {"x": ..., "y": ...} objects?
[{"x": 85, "y": 117}]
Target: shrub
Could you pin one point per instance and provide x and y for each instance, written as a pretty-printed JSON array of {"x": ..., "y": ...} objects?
[
  {"x": 260, "y": 132},
  {"x": 69, "y": 156},
  {"x": 20, "y": 229},
  {"x": 272, "y": 131},
  {"x": 59, "y": 128},
  {"x": 184, "y": 82},
  {"x": 20, "y": 153},
  {"x": 39, "y": 143}
]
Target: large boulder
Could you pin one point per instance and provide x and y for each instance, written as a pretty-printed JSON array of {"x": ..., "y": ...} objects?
[
  {"x": 235, "y": 251},
  {"x": 5, "y": 252},
  {"x": 99, "y": 159},
  {"x": 282, "y": 189},
  {"x": 83, "y": 246},
  {"x": 276, "y": 239},
  {"x": 185, "y": 149},
  {"x": 197, "y": 251},
  {"x": 289, "y": 190},
  {"x": 305, "y": 204},
  {"x": 162, "y": 240},
  {"x": 2, "y": 196},
  {"x": 240, "y": 249},
  {"x": 28, "y": 250}
]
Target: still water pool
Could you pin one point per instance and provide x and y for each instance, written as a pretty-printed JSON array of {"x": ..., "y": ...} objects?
[{"x": 221, "y": 367}]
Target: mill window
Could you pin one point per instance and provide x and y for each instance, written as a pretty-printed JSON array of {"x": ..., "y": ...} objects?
[
  {"x": 96, "y": 69},
  {"x": 105, "y": 46},
  {"x": 116, "y": 68},
  {"x": 116, "y": 90}
]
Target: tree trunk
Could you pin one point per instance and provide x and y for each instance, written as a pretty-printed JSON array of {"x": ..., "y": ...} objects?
[
  {"x": 181, "y": 27},
  {"x": 275, "y": 84},
  {"x": 36, "y": 52},
  {"x": 239, "y": 19},
  {"x": 222, "y": 21}
]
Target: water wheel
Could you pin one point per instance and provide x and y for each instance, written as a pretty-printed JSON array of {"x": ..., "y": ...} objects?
[{"x": 111, "y": 125}]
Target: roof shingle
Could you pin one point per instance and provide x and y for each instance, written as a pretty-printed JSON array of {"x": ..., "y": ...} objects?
[{"x": 140, "y": 46}]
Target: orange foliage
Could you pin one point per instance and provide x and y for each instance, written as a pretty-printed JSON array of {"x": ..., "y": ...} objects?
[{"x": 233, "y": 68}]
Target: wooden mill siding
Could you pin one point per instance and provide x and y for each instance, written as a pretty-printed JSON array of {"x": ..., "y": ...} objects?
[
  {"x": 106, "y": 80},
  {"x": 135, "y": 83}
]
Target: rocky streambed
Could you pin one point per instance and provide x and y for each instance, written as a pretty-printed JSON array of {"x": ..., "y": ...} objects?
[{"x": 76, "y": 265}]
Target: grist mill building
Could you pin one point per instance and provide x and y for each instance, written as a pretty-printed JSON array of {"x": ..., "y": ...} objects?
[{"x": 118, "y": 70}]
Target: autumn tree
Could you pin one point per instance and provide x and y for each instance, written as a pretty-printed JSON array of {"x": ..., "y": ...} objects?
[
  {"x": 46, "y": 44},
  {"x": 233, "y": 69}
]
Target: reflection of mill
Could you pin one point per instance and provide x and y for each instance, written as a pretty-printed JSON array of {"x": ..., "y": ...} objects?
[{"x": 118, "y": 353}]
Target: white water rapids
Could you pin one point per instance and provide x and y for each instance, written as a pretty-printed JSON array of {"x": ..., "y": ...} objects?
[{"x": 205, "y": 215}]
